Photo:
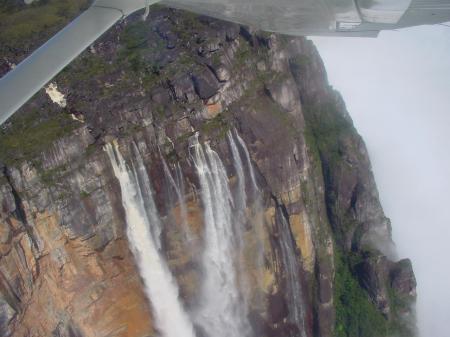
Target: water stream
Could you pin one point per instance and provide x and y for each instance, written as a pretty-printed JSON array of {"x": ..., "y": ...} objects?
[
  {"x": 143, "y": 226},
  {"x": 221, "y": 311},
  {"x": 291, "y": 270},
  {"x": 222, "y": 305},
  {"x": 177, "y": 185}
]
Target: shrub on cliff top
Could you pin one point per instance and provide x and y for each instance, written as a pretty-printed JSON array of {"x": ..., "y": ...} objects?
[
  {"x": 20, "y": 24},
  {"x": 30, "y": 134}
]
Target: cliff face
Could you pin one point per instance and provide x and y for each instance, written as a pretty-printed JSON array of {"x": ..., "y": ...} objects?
[{"x": 315, "y": 247}]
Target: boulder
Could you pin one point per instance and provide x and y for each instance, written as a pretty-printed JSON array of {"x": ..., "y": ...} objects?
[
  {"x": 205, "y": 84},
  {"x": 402, "y": 278}
]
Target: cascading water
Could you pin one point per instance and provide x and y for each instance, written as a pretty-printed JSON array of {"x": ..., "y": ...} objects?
[
  {"x": 160, "y": 287},
  {"x": 256, "y": 208},
  {"x": 249, "y": 163},
  {"x": 240, "y": 217},
  {"x": 146, "y": 194},
  {"x": 222, "y": 306},
  {"x": 221, "y": 311},
  {"x": 241, "y": 201},
  {"x": 289, "y": 259},
  {"x": 291, "y": 270},
  {"x": 178, "y": 188}
]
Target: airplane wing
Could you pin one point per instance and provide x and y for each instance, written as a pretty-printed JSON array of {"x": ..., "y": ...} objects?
[{"x": 28, "y": 77}]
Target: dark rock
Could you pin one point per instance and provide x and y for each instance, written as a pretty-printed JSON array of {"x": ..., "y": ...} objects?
[
  {"x": 171, "y": 43},
  {"x": 183, "y": 88},
  {"x": 205, "y": 84},
  {"x": 221, "y": 72},
  {"x": 402, "y": 278},
  {"x": 161, "y": 96},
  {"x": 7, "y": 314},
  {"x": 7, "y": 202},
  {"x": 4, "y": 68},
  {"x": 325, "y": 324},
  {"x": 232, "y": 31},
  {"x": 247, "y": 35},
  {"x": 373, "y": 273},
  {"x": 277, "y": 308},
  {"x": 66, "y": 329},
  {"x": 213, "y": 45},
  {"x": 325, "y": 290},
  {"x": 284, "y": 93}
]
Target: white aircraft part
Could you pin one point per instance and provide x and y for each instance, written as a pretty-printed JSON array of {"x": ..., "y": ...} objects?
[
  {"x": 282, "y": 16},
  {"x": 28, "y": 77},
  {"x": 383, "y": 11}
]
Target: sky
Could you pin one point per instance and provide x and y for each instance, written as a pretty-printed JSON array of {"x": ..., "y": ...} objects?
[{"x": 397, "y": 90}]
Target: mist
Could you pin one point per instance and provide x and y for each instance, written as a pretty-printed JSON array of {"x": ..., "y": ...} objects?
[{"x": 397, "y": 89}]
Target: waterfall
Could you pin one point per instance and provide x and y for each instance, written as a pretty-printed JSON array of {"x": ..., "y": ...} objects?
[
  {"x": 257, "y": 217},
  {"x": 291, "y": 270},
  {"x": 221, "y": 311},
  {"x": 249, "y": 164},
  {"x": 240, "y": 220},
  {"x": 178, "y": 187},
  {"x": 143, "y": 226},
  {"x": 241, "y": 195},
  {"x": 146, "y": 195},
  {"x": 241, "y": 198}
]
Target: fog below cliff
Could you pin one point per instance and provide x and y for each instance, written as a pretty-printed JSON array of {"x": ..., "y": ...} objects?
[{"x": 397, "y": 89}]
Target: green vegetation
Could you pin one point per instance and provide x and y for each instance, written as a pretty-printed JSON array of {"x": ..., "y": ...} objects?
[
  {"x": 184, "y": 137},
  {"x": 85, "y": 68},
  {"x": 135, "y": 35},
  {"x": 28, "y": 23},
  {"x": 400, "y": 326},
  {"x": 356, "y": 315},
  {"x": 243, "y": 54},
  {"x": 84, "y": 194},
  {"x": 137, "y": 51},
  {"x": 300, "y": 62},
  {"x": 215, "y": 59},
  {"x": 29, "y": 135},
  {"x": 326, "y": 131},
  {"x": 285, "y": 118},
  {"x": 90, "y": 150},
  {"x": 189, "y": 25},
  {"x": 50, "y": 177},
  {"x": 218, "y": 126},
  {"x": 326, "y": 128}
]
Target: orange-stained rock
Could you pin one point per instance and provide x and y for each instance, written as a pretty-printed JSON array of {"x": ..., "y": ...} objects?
[
  {"x": 302, "y": 234},
  {"x": 99, "y": 292},
  {"x": 212, "y": 110}
]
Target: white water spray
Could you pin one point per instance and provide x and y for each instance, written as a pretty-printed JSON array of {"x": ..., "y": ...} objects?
[
  {"x": 160, "y": 287},
  {"x": 256, "y": 208},
  {"x": 241, "y": 195},
  {"x": 249, "y": 164},
  {"x": 240, "y": 215},
  {"x": 221, "y": 311},
  {"x": 178, "y": 187},
  {"x": 291, "y": 270},
  {"x": 146, "y": 195},
  {"x": 241, "y": 201}
]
